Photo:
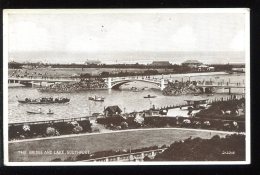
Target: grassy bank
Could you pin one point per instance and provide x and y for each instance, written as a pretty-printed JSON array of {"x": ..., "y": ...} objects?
[{"x": 100, "y": 142}]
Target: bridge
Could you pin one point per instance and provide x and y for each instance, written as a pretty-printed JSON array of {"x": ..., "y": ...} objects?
[
  {"x": 224, "y": 85},
  {"x": 118, "y": 81},
  {"x": 137, "y": 156}
]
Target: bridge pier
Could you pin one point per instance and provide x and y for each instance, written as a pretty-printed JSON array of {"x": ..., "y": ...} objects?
[
  {"x": 203, "y": 89},
  {"x": 162, "y": 84},
  {"x": 109, "y": 85},
  {"x": 153, "y": 154}
]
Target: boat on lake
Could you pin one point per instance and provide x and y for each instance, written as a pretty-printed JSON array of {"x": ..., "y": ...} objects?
[
  {"x": 34, "y": 112},
  {"x": 44, "y": 100},
  {"x": 135, "y": 90},
  {"x": 95, "y": 98},
  {"x": 50, "y": 112},
  {"x": 150, "y": 96}
]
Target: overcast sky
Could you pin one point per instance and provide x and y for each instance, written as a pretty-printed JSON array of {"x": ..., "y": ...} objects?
[{"x": 126, "y": 37}]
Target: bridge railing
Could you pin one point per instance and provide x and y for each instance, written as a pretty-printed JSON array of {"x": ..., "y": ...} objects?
[
  {"x": 136, "y": 78},
  {"x": 205, "y": 83}
]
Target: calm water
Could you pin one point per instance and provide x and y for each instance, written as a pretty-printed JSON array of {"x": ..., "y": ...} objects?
[{"x": 80, "y": 106}]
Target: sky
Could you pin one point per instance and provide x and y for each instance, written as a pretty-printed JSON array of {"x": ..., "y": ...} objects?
[{"x": 126, "y": 36}]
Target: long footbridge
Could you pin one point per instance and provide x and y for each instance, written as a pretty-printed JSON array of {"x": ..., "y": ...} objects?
[
  {"x": 128, "y": 157},
  {"x": 116, "y": 82},
  {"x": 223, "y": 85}
]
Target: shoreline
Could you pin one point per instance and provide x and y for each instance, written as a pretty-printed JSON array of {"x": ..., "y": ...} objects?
[
  {"x": 199, "y": 74},
  {"x": 173, "y": 74}
]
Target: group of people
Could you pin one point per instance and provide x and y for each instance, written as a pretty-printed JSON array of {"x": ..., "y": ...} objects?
[
  {"x": 180, "y": 88},
  {"x": 83, "y": 84},
  {"x": 29, "y": 74},
  {"x": 49, "y": 99}
]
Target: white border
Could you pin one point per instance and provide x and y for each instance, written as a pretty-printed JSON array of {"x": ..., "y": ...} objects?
[{"x": 6, "y": 12}]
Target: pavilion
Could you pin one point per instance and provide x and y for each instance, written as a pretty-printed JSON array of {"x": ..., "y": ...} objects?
[{"x": 197, "y": 101}]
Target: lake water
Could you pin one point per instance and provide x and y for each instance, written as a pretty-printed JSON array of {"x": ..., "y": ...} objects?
[{"x": 128, "y": 101}]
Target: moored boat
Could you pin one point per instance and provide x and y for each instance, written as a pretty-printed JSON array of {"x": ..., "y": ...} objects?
[
  {"x": 95, "y": 98},
  {"x": 33, "y": 112},
  {"x": 50, "y": 112},
  {"x": 150, "y": 96},
  {"x": 44, "y": 100}
]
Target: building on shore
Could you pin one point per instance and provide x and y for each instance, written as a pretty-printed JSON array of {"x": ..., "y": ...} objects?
[
  {"x": 241, "y": 70},
  {"x": 197, "y": 102},
  {"x": 192, "y": 63},
  {"x": 161, "y": 63},
  {"x": 152, "y": 113},
  {"x": 112, "y": 111},
  {"x": 202, "y": 68}
]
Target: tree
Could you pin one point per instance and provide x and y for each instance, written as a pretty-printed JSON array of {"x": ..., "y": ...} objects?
[{"x": 104, "y": 74}]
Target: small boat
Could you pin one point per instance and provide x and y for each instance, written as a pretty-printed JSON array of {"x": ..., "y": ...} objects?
[
  {"x": 50, "y": 112},
  {"x": 134, "y": 89},
  {"x": 95, "y": 98},
  {"x": 210, "y": 94},
  {"x": 33, "y": 112},
  {"x": 149, "y": 96},
  {"x": 196, "y": 94}
]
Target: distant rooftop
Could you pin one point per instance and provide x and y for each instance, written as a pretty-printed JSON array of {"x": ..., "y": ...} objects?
[
  {"x": 191, "y": 62},
  {"x": 161, "y": 63}
]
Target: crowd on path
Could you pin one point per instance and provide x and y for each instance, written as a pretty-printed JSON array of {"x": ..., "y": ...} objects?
[{"x": 83, "y": 84}]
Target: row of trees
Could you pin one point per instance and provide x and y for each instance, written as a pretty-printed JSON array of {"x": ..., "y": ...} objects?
[
  {"x": 230, "y": 148},
  {"x": 25, "y": 131},
  {"x": 176, "y": 67},
  {"x": 106, "y": 74},
  {"x": 224, "y": 109},
  {"x": 117, "y": 123}
]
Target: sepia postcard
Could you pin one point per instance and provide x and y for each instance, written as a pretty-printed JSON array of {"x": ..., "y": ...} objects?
[{"x": 126, "y": 86}]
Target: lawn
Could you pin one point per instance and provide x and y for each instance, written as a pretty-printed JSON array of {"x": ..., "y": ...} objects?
[{"x": 99, "y": 142}]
